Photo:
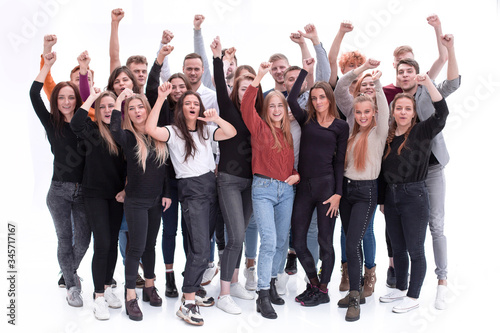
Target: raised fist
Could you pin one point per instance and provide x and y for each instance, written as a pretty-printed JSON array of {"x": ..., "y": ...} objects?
[
  {"x": 346, "y": 26},
  {"x": 448, "y": 40},
  {"x": 117, "y": 14},
  {"x": 83, "y": 59},
  {"x": 433, "y": 20},
  {"x": 198, "y": 20},
  {"x": 167, "y": 37}
]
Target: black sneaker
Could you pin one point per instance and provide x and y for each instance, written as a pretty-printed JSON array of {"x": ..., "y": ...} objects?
[
  {"x": 304, "y": 294},
  {"x": 391, "y": 277},
  {"x": 315, "y": 297},
  {"x": 291, "y": 264},
  {"x": 113, "y": 283},
  {"x": 61, "y": 283}
]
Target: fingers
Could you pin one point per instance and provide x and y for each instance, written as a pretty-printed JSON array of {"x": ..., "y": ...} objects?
[
  {"x": 346, "y": 26},
  {"x": 372, "y": 63},
  {"x": 166, "y": 49},
  {"x": 167, "y": 36}
]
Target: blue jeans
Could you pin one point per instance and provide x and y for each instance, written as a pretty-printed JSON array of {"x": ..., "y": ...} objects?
[
  {"x": 65, "y": 200},
  {"x": 407, "y": 215},
  {"x": 369, "y": 245},
  {"x": 272, "y": 202},
  {"x": 251, "y": 239}
]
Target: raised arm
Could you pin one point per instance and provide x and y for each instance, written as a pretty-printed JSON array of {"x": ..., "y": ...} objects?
[
  {"x": 48, "y": 42},
  {"x": 199, "y": 48},
  {"x": 166, "y": 38},
  {"x": 159, "y": 133},
  {"x": 248, "y": 112},
  {"x": 154, "y": 74},
  {"x": 49, "y": 59},
  {"x": 115, "y": 125},
  {"x": 36, "y": 87},
  {"x": 84, "y": 61},
  {"x": 225, "y": 130},
  {"x": 436, "y": 67},
  {"x": 219, "y": 76},
  {"x": 434, "y": 124},
  {"x": 114, "y": 43},
  {"x": 298, "y": 113},
  {"x": 382, "y": 106},
  {"x": 323, "y": 70},
  {"x": 298, "y": 37},
  {"x": 448, "y": 41},
  {"x": 345, "y": 27},
  {"x": 78, "y": 122}
]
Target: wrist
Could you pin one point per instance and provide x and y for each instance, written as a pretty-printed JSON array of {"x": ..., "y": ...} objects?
[{"x": 315, "y": 41}]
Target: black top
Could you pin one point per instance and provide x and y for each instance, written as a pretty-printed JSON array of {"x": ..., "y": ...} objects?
[
  {"x": 341, "y": 115},
  {"x": 69, "y": 156},
  {"x": 140, "y": 184},
  {"x": 322, "y": 149},
  {"x": 413, "y": 162},
  {"x": 104, "y": 174},
  {"x": 235, "y": 153}
]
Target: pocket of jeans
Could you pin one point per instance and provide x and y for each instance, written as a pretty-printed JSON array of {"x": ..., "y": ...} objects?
[
  {"x": 415, "y": 191},
  {"x": 259, "y": 182}
]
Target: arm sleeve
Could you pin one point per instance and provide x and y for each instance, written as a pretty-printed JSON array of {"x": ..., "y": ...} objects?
[
  {"x": 383, "y": 111},
  {"x": 37, "y": 102},
  {"x": 49, "y": 84},
  {"x": 165, "y": 68},
  {"x": 223, "y": 99},
  {"x": 435, "y": 123},
  {"x": 199, "y": 48},
  {"x": 447, "y": 87},
  {"x": 84, "y": 86},
  {"x": 248, "y": 111},
  {"x": 299, "y": 114},
  {"x": 166, "y": 184},
  {"x": 323, "y": 70},
  {"x": 343, "y": 98},
  {"x": 154, "y": 82},
  {"x": 78, "y": 122},
  {"x": 116, "y": 129}
]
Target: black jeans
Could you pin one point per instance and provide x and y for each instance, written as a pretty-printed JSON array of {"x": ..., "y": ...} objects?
[
  {"x": 197, "y": 196},
  {"x": 311, "y": 193},
  {"x": 407, "y": 215},
  {"x": 143, "y": 219},
  {"x": 105, "y": 218},
  {"x": 357, "y": 206}
]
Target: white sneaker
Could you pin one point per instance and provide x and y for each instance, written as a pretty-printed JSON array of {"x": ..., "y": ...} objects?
[
  {"x": 209, "y": 274},
  {"x": 281, "y": 282},
  {"x": 251, "y": 275},
  {"x": 112, "y": 300},
  {"x": 227, "y": 304},
  {"x": 100, "y": 308},
  {"x": 74, "y": 297},
  {"x": 190, "y": 313},
  {"x": 237, "y": 290},
  {"x": 395, "y": 295},
  {"x": 407, "y": 304},
  {"x": 440, "y": 303}
]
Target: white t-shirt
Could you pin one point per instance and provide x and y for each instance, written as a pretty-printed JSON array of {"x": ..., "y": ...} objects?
[{"x": 203, "y": 160}]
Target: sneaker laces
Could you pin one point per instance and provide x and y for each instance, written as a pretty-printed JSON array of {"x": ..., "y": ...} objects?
[{"x": 192, "y": 307}]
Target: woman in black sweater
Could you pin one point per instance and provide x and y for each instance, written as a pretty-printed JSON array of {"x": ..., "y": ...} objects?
[
  {"x": 64, "y": 198},
  {"x": 146, "y": 191},
  {"x": 406, "y": 201},
  {"x": 103, "y": 179},
  {"x": 234, "y": 181}
]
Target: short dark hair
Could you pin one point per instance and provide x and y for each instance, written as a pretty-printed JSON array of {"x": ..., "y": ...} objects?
[{"x": 409, "y": 62}]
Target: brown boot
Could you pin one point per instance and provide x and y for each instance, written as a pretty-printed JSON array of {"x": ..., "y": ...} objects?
[
  {"x": 344, "y": 282},
  {"x": 370, "y": 278},
  {"x": 353, "y": 310},
  {"x": 344, "y": 302}
]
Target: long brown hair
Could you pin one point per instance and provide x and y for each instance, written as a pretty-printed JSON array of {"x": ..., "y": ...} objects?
[
  {"x": 181, "y": 126},
  {"x": 285, "y": 122},
  {"x": 116, "y": 72},
  {"x": 57, "y": 117},
  {"x": 184, "y": 78},
  {"x": 144, "y": 142},
  {"x": 360, "y": 149},
  {"x": 234, "y": 93},
  {"x": 327, "y": 88},
  {"x": 394, "y": 125},
  {"x": 103, "y": 127}
]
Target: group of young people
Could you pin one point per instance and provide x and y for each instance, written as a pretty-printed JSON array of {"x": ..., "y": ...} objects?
[{"x": 286, "y": 162}]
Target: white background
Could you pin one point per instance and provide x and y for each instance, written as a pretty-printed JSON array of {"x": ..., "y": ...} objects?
[{"x": 257, "y": 29}]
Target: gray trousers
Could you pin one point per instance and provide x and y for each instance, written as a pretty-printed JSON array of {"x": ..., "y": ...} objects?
[
  {"x": 436, "y": 185},
  {"x": 64, "y": 200}
]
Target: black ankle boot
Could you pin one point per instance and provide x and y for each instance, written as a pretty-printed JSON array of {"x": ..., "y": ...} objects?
[
  {"x": 273, "y": 294},
  {"x": 264, "y": 306},
  {"x": 170, "y": 288}
]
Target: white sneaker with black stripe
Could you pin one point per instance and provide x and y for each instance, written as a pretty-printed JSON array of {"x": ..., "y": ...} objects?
[{"x": 190, "y": 313}]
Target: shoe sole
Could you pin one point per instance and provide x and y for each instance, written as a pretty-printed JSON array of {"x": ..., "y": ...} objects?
[
  {"x": 172, "y": 295},
  {"x": 349, "y": 319},
  {"x": 390, "y": 300},
  {"x": 268, "y": 317},
  {"x": 187, "y": 320},
  {"x": 233, "y": 313},
  {"x": 132, "y": 317},
  {"x": 96, "y": 317},
  {"x": 315, "y": 304},
  {"x": 404, "y": 310}
]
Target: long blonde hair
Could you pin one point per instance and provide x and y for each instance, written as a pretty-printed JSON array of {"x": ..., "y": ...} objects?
[
  {"x": 144, "y": 142},
  {"x": 285, "y": 122},
  {"x": 103, "y": 128},
  {"x": 360, "y": 150}
]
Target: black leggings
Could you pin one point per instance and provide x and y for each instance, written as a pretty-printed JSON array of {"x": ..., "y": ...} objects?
[
  {"x": 143, "y": 220},
  {"x": 357, "y": 207},
  {"x": 311, "y": 193},
  {"x": 105, "y": 218}
]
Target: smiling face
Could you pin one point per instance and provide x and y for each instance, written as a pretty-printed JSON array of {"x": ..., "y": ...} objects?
[
  {"x": 121, "y": 82},
  {"x": 319, "y": 100},
  {"x": 290, "y": 78},
  {"x": 137, "y": 112},
  {"x": 193, "y": 69},
  {"x": 406, "y": 77},
  {"x": 364, "y": 114},
  {"x": 106, "y": 107},
  {"x": 191, "y": 108},
  {"x": 66, "y": 102},
  {"x": 403, "y": 112},
  {"x": 367, "y": 86},
  {"x": 231, "y": 70},
  {"x": 140, "y": 72},
  {"x": 277, "y": 70},
  {"x": 276, "y": 110},
  {"x": 178, "y": 88}
]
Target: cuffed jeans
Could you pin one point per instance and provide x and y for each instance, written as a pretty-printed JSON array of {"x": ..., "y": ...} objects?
[
  {"x": 105, "y": 218},
  {"x": 436, "y": 185},
  {"x": 272, "y": 208},
  {"x": 357, "y": 207},
  {"x": 406, "y": 213},
  {"x": 235, "y": 200},
  {"x": 64, "y": 200},
  {"x": 143, "y": 219},
  {"x": 198, "y": 202}
]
